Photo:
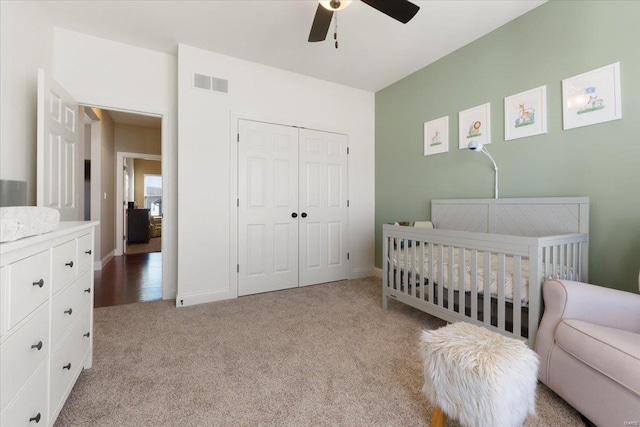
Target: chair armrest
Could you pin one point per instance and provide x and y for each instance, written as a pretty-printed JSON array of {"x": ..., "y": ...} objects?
[
  {"x": 564, "y": 299},
  {"x": 595, "y": 304}
]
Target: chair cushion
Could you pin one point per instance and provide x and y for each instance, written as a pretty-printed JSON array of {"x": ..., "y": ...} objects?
[{"x": 613, "y": 352}]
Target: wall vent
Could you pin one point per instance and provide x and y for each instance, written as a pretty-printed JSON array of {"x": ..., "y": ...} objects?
[{"x": 210, "y": 84}]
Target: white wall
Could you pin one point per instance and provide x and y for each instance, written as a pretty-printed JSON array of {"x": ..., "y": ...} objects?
[
  {"x": 206, "y": 134},
  {"x": 118, "y": 76},
  {"x": 26, "y": 43}
]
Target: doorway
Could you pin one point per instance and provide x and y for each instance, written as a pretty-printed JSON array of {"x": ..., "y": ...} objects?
[
  {"x": 124, "y": 140},
  {"x": 139, "y": 192}
]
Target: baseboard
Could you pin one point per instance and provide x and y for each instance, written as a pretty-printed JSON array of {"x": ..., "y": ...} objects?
[
  {"x": 203, "y": 298},
  {"x": 361, "y": 273},
  {"x": 377, "y": 272},
  {"x": 98, "y": 265}
]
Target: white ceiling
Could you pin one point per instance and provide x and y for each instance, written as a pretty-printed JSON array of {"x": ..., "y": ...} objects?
[{"x": 375, "y": 50}]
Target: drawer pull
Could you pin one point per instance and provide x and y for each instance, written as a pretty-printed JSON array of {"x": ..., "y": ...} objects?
[
  {"x": 39, "y": 283},
  {"x": 38, "y": 346},
  {"x": 88, "y": 334},
  {"x": 70, "y": 264},
  {"x": 88, "y": 290},
  {"x": 88, "y": 252},
  {"x": 69, "y": 311},
  {"x": 36, "y": 418},
  {"x": 67, "y": 366}
]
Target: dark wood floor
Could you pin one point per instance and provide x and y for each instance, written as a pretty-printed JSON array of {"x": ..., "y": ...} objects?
[{"x": 128, "y": 279}]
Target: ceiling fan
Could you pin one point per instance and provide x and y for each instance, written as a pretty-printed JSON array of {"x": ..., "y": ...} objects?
[{"x": 400, "y": 10}]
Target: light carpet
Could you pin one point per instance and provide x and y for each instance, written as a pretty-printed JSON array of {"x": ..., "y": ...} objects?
[{"x": 325, "y": 355}]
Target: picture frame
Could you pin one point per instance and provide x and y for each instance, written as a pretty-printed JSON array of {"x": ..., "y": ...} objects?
[
  {"x": 436, "y": 136},
  {"x": 474, "y": 124},
  {"x": 525, "y": 114},
  {"x": 592, "y": 97}
]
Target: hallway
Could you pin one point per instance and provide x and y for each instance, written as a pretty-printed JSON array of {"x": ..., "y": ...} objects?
[{"x": 128, "y": 279}]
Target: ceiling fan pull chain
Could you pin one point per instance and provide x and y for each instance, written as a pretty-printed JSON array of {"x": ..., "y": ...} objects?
[{"x": 335, "y": 33}]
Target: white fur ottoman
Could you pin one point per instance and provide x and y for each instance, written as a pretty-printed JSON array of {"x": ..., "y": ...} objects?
[{"x": 478, "y": 377}]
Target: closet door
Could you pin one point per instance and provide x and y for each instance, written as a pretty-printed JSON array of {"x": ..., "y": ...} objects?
[
  {"x": 267, "y": 207},
  {"x": 323, "y": 207}
]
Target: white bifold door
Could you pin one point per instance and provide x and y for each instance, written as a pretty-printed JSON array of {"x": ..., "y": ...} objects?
[{"x": 292, "y": 207}]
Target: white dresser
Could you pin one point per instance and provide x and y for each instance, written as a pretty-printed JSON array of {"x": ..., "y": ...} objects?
[{"x": 46, "y": 321}]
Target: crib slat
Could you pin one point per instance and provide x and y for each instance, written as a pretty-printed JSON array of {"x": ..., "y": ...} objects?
[
  {"x": 579, "y": 270},
  {"x": 517, "y": 295},
  {"x": 413, "y": 273},
  {"x": 474, "y": 284},
  {"x": 421, "y": 267},
  {"x": 440, "y": 275},
  {"x": 396, "y": 283},
  {"x": 569, "y": 262},
  {"x": 501, "y": 282},
  {"x": 451, "y": 281},
  {"x": 430, "y": 274},
  {"x": 486, "y": 285},
  {"x": 462, "y": 281},
  {"x": 405, "y": 270},
  {"x": 385, "y": 264},
  {"x": 536, "y": 277},
  {"x": 563, "y": 267},
  {"x": 574, "y": 273},
  {"x": 547, "y": 257}
]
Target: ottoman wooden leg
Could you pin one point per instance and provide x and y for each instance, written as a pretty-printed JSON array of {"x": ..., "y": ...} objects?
[{"x": 439, "y": 418}]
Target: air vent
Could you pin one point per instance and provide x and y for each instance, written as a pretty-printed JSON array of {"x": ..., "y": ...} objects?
[{"x": 209, "y": 83}]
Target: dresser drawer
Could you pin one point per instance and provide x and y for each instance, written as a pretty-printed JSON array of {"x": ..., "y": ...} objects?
[
  {"x": 29, "y": 284},
  {"x": 30, "y": 407},
  {"x": 68, "y": 358},
  {"x": 68, "y": 305},
  {"x": 85, "y": 253},
  {"x": 21, "y": 353},
  {"x": 65, "y": 265}
]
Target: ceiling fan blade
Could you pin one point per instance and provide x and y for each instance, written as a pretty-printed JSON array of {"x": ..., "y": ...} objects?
[
  {"x": 320, "y": 25},
  {"x": 401, "y": 10}
]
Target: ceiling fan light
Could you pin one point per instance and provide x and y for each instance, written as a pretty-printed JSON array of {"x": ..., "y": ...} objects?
[{"x": 342, "y": 4}]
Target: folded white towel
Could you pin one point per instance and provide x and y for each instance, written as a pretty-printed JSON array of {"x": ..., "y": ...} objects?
[{"x": 22, "y": 221}]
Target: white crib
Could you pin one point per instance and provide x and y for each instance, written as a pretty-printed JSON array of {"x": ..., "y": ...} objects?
[{"x": 486, "y": 259}]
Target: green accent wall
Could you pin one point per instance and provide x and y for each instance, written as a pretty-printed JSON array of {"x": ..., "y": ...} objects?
[{"x": 557, "y": 40}]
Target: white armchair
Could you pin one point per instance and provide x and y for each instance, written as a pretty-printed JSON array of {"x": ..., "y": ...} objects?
[{"x": 589, "y": 347}]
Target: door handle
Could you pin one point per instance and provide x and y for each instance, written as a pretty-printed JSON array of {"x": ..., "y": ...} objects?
[
  {"x": 303, "y": 215},
  {"x": 294, "y": 215}
]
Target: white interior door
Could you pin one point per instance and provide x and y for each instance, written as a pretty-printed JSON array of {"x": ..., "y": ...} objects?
[
  {"x": 60, "y": 151},
  {"x": 267, "y": 203},
  {"x": 323, "y": 207}
]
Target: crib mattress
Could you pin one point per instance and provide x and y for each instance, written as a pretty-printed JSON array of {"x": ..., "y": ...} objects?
[{"x": 424, "y": 272}]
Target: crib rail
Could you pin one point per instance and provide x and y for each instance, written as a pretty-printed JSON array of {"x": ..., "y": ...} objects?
[{"x": 488, "y": 279}]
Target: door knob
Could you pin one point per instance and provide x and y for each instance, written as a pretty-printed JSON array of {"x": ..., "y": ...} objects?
[
  {"x": 294, "y": 215},
  {"x": 303, "y": 215}
]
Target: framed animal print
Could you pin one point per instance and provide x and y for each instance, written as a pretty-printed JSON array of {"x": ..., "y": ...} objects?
[{"x": 525, "y": 114}]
